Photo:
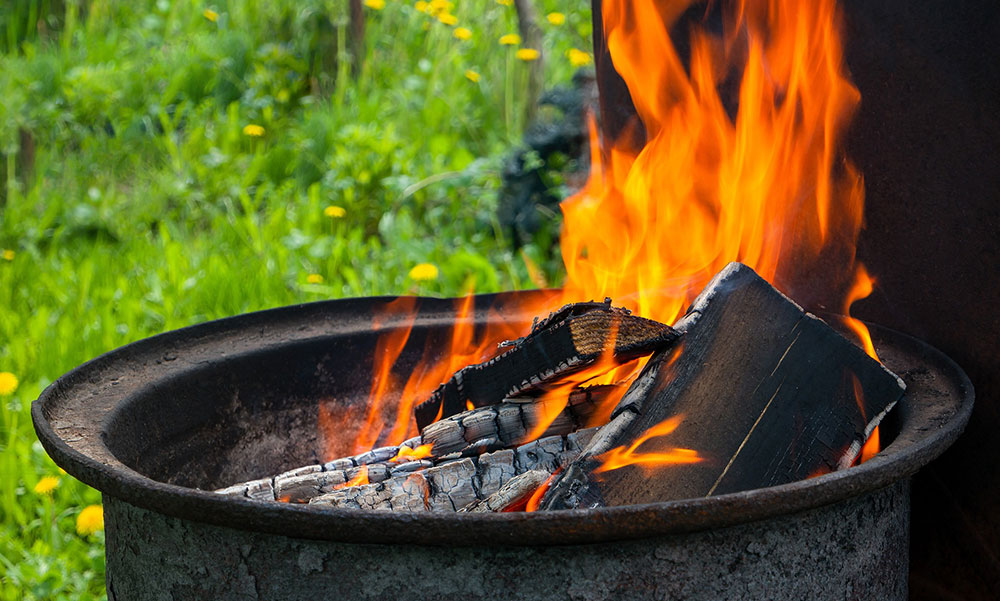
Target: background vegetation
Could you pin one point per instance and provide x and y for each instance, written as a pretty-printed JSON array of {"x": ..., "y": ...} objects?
[{"x": 167, "y": 162}]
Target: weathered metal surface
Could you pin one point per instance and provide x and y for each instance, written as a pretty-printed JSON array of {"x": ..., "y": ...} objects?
[
  {"x": 854, "y": 550},
  {"x": 204, "y": 407},
  {"x": 160, "y": 423}
]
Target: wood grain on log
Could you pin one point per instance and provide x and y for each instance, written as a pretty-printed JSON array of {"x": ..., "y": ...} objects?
[
  {"x": 513, "y": 492},
  {"x": 768, "y": 394}
]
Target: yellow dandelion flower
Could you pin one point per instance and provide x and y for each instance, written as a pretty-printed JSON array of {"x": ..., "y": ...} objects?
[
  {"x": 579, "y": 58},
  {"x": 8, "y": 383},
  {"x": 210, "y": 14},
  {"x": 46, "y": 485},
  {"x": 375, "y": 4},
  {"x": 90, "y": 520},
  {"x": 505, "y": 2},
  {"x": 423, "y": 272},
  {"x": 556, "y": 18},
  {"x": 437, "y": 7},
  {"x": 527, "y": 54},
  {"x": 334, "y": 212},
  {"x": 510, "y": 39},
  {"x": 448, "y": 19},
  {"x": 314, "y": 278},
  {"x": 7, "y": 254},
  {"x": 422, "y": 6},
  {"x": 472, "y": 75},
  {"x": 253, "y": 130},
  {"x": 462, "y": 33}
]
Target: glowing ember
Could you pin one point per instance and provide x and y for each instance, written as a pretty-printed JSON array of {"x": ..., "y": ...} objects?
[
  {"x": 872, "y": 446},
  {"x": 360, "y": 479},
  {"x": 536, "y": 497},
  {"x": 620, "y": 457},
  {"x": 407, "y": 454}
]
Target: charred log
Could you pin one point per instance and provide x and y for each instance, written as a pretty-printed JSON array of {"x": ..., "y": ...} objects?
[
  {"x": 468, "y": 434},
  {"x": 568, "y": 340},
  {"x": 454, "y": 484},
  {"x": 768, "y": 394}
]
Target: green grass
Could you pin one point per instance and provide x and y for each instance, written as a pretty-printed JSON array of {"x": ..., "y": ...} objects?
[{"x": 146, "y": 207}]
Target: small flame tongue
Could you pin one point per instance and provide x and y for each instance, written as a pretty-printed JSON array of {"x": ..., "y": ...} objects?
[{"x": 620, "y": 457}]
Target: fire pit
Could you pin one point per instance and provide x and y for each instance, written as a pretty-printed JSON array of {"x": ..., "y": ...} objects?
[{"x": 158, "y": 424}]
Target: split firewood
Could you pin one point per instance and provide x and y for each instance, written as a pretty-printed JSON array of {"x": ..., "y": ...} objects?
[
  {"x": 764, "y": 392},
  {"x": 454, "y": 484},
  {"x": 511, "y": 494},
  {"x": 469, "y": 433},
  {"x": 568, "y": 340}
]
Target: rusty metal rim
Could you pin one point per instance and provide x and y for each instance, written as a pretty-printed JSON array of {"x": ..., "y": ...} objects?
[{"x": 82, "y": 452}]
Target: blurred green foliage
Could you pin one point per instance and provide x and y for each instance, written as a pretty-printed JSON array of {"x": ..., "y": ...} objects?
[{"x": 136, "y": 197}]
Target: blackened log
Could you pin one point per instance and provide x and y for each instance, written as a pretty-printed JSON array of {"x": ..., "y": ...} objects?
[
  {"x": 766, "y": 393},
  {"x": 568, "y": 340}
]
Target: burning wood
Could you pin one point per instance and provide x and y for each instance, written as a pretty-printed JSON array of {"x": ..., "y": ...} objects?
[
  {"x": 467, "y": 434},
  {"x": 766, "y": 393},
  {"x": 514, "y": 493},
  {"x": 455, "y": 484},
  {"x": 749, "y": 391},
  {"x": 568, "y": 340}
]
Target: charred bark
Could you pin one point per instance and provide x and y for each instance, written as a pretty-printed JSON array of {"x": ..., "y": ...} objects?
[
  {"x": 768, "y": 394},
  {"x": 568, "y": 340}
]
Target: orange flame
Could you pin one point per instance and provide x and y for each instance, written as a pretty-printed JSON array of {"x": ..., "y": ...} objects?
[
  {"x": 619, "y": 457},
  {"x": 390, "y": 400},
  {"x": 387, "y": 351},
  {"x": 556, "y": 399},
  {"x": 536, "y": 497},
  {"x": 861, "y": 288},
  {"x": 871, "y": 447},
  {"x": 707, "y": 188},
  {"x": 359, "y": 479},
  {"x": 407, "y": 454}
]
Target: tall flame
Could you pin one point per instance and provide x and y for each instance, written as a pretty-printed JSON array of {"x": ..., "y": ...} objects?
[{"x": 767, "y": 186}]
